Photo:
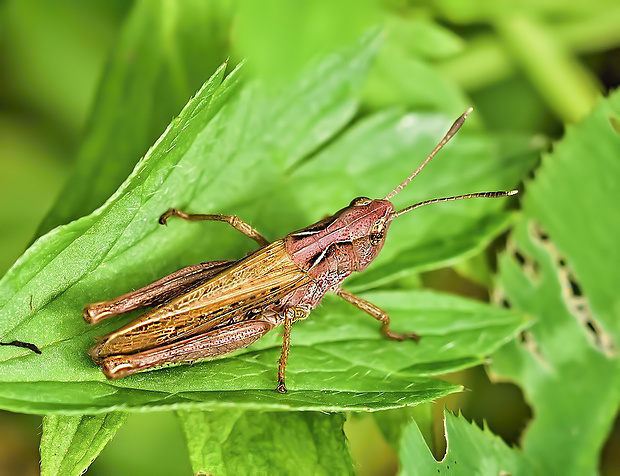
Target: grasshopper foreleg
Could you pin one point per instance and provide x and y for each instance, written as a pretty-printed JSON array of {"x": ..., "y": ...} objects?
[
  {"x": 377, "y": 313},
  {"x": 155, "y": 293},
  {"x": 232, "y": 220}
]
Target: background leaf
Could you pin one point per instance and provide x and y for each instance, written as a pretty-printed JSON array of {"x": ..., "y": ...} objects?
[
  {"x": 470, "y": 451},
  {"x": 70, "y": 443},
  {"x": 404, "y": 75},
  {"x": 149, "y": 443},
  {"x": 561, "y": 269},
  {"x": 230, "y": 441},
  {"x": 393, "y": 422},
  {"x": 162, "y": 56}
]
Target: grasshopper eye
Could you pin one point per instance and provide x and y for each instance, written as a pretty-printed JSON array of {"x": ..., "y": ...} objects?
[
  {"x": 375, "y": 238},
  {"x": 360, "y": 201}
]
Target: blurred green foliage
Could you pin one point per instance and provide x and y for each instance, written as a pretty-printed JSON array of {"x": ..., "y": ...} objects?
[
  {"x": 87, "y": 87},
  {"x": 557, "y": 267}
]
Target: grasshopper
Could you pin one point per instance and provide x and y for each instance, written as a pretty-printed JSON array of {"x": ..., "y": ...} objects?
[{"x": 213, "y": 308}]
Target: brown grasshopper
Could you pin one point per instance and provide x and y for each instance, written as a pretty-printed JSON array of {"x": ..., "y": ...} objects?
[{"x": 216, "y": 307}]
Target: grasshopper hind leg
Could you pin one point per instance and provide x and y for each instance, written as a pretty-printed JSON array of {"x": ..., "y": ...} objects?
[
  {"x": 198, "y": 347},
  {"x": 155, "y": 293}
]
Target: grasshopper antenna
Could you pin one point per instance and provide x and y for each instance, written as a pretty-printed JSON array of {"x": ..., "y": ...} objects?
[
  {"x": 458, "y": 197},
  {"x": 453, "y": 130}
]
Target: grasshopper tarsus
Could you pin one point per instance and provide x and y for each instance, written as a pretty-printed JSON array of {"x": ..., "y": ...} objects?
[
  {"x": 23, "y": 345},
  {"x": 172, "y": 212},
  {"x": 398, "y": 336}
]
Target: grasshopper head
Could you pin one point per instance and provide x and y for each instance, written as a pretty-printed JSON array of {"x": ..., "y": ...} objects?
[{"x": 367, "y": 221}]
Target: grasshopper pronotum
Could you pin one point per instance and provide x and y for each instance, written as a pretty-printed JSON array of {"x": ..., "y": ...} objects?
[{"x": 214, "y": 308}]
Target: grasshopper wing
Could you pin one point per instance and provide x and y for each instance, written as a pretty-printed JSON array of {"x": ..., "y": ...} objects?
[
  {"x": 161, "y": 291},
  {"x": 237, "y": 293}
]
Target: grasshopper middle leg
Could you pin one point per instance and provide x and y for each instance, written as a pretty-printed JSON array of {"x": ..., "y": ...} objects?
[
  {"x": 232, "y": 220},
  {"x": 378, "y": 314},
  {"x": 290, "y": 315}
]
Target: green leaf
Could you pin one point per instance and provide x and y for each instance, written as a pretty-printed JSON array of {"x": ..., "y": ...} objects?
[
  {"x": 403, "y": 74},
  {"x": 338, "y": 361},
  {"x": 422, "y": 37},
  {"x": 231, "y": 441},
  {"x": 231, "y": 151},
  {"x": 25, "y": 153},
  {"x": 569, "y": 88},
  {"x": 392, "y": 422},
  {"x": 279, "y": 37},
  {"x": 148, "y": 444},
  {"x": 164, "y": 52},
  {"x": 567, "y": 363},
  {"x": 70, "y": 443},
  {"x": 470, "y": 450}
]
